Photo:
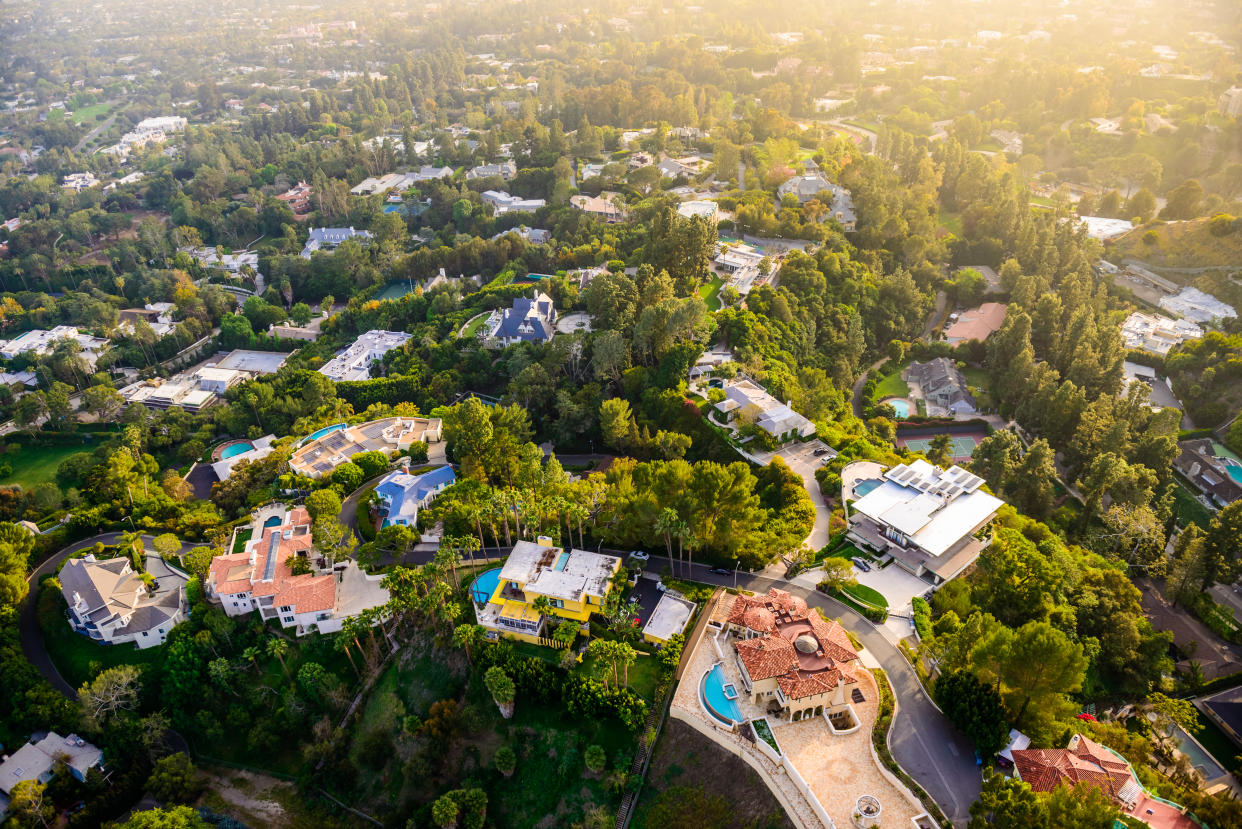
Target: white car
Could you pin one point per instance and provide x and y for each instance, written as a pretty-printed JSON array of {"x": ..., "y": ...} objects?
[{"x": 639, "y": 555}]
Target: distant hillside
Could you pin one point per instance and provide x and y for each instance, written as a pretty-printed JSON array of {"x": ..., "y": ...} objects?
[{"x": 1181, "y": 245}]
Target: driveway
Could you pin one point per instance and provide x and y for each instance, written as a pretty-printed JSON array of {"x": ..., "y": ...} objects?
[
  {"x": 803, "y": 461},
  {"x": 856, "y": 395},
  {"x": 28, "y": 619},
  {"x": 926, "y": 745}
]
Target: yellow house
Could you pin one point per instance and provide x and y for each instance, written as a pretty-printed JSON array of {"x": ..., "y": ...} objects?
[
  {"x": 575, "y": 583},
  {"x": 670, "y": 617}
]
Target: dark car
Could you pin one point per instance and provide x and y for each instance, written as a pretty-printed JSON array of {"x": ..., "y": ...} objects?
[
  {"x": 720, "y": 571},
  {"x": 819, "y": 452},
  {"x": 861, "y": 564}
]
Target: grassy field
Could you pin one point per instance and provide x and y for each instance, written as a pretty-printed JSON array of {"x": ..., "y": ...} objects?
[
  {"x": 643, "y": 674},
  {"x": 239, "y": 543},
  {"x": 1188, "y": 509},
  {"x": 866, "y": 595},
  {"x": 891, "y": 386},
  {"x": 92, "y": 113},
  {"x": 977, "y": 378},
  {"x": 1181, "y": 245},
  {"x": 709, "y": 293},
  {"x": 33, "y": 465},
  {"x": 951, "y": 222},
  {"x": 78, "y": 658}
]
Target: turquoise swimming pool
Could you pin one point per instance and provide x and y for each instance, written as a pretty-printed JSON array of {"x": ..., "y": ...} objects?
[
  {"x": 485, "y": 585},
  {"x": 1200, "y": 759},
  {"x": 327, "y": 430},
  {"x": 234, "y": 449},
  {"x": 900, "y": 405},
  {"x": 720, "y": 697},
  {"x": 1234, "y": 471},
  {"x": 866, "y": 487}
]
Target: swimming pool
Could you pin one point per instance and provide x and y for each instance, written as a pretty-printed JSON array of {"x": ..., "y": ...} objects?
[
  {"x": 485, "y": 585},
  {"x": 234, "y": 449},
  {"x": 714, "y": 692},
  {"x": 866, "y": 487},
  {"x": 1234, "y": 471},
  {"x": 327, "y": 430},
  {"x": 1200, "y": 759},
  {"x": 900, "y": 405}
]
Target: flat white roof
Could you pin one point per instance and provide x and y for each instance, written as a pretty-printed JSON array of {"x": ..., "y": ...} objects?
[{"x": 670, "y": 617}]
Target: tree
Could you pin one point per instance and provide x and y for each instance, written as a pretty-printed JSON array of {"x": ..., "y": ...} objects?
[
  {"x": 1184, "y": 201},
  {"x": 174, "y": 779},
  {"x": 838, "y": 573},
  {"x": 29, "y": 805},
  {"x": 104, "y": 402},
  {"x": 278, "y": 648},
  {"x": 168, "y": 546},
  {"x": 15, "y": 547},
  {"x": 371, "y": 463},
  {"x": 348, "y": 476},
  {"x": 323, "y": 503},
  {"x": 1222, "y": 546},
  {"x": 976, "y": 709},
  {"x": 1006, "y": 803},
  {"x": 502, "y": 689},
  {"x": 595, "y": 758},
  {"x": 1042, "y": 663},
  {"x": 940, "y": 452},
  {"x": 109, "y": 694},
  {"x": 178, "y": 817},
  {"x": 332, "y": 539},
  {"x": 1170, "y": 712},
  {"x": 505, "y": 761},
  {"x": 467, "y": 636},
  {"x": 616, "y": 422},
  {"x": 300, "y": 313}
]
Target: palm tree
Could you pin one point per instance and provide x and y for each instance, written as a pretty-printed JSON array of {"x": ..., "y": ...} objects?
[
  {"x": 502, "y": 689},
  {"x": 666, "y": 524},
  {"x": 464, "y": 636},
  {"x": 278, "y": 648},
  {"x": 252, "y": 654}
]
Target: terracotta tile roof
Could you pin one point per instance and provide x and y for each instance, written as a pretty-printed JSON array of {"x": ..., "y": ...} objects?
[
  {"x": 767, "y": 656},
  {"x": 800, "y": 684},
  {"x": 774, "y": 602},
  {"x": 1086, "y": 762},
  {"x": 232, "y": 574}
]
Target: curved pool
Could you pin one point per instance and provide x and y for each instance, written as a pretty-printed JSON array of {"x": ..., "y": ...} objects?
[
  {"x": 327, "y": 430},
  {"x": 482, "y": 588},
  {"x": 714, "y": 694},
  {"x": 234, "y": 449},
  {"x": 900, "y": 405},
  {"x": 866, "y": 487}
]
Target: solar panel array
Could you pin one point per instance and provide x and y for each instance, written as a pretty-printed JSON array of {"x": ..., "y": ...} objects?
[{"x": 945, "y": 483}]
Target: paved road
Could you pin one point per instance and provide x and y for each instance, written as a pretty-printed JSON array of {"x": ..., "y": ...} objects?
[
  {"x": 926, "y": 745},
  {"x": 28, "y": 620}
]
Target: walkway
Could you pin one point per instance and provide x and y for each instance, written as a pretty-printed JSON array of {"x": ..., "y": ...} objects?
[
  {"x": 857, "y": 394},
  {"x": 28, "y": 620}
]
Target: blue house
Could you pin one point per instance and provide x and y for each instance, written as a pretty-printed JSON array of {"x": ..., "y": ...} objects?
[{"x": 403, "y": 494}]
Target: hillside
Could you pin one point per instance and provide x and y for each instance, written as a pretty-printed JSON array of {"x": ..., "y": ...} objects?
[{"x": 1180, "y": 245}]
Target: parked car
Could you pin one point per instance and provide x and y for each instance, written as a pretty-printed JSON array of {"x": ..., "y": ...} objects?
[
  {"x": 820, "y": 451},
  {"x": 861, "y": 564},
  {"x": 720, "y": 571},
  {"x": 639, "y": 555}
]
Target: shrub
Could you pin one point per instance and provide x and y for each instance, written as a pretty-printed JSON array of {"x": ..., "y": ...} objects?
[
  {"x": 595, "y": 758},
  {"x": 506, "y": 761},
  {"x": 1222, "y": 224},
  {"x": 922, "y": 617},
  {"x": 1151, "y": 238}
]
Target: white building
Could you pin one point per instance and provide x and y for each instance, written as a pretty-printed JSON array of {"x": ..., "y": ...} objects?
[
  {"x": 1157, "y": 334},
  {"x": 503, "y": 202},
  {"x": 354, "y": 363},
  {"x": 215, "y": 257},
  {"x": 700, "y": 207},
  {"x": 746, "y": 400},
  {"x": 930, "y": 520},
  {"x": 79, "y": 181},
  {"x": 36, "y": 761},
  {"x": 40, "y": 341},
  {"x": 505, "y": 169},
  {"x": 261, "y": 578},
  {"x": 403, "y": 495},
  {"x": 111, "y": 604},
  {"x": 1230, "y": 103},
  {"x": 330, "y": 238},
  {"x": 1195, "y": 305}
]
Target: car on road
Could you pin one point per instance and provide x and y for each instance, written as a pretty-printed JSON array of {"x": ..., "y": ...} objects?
[
  {"x": 861, "y": 564},
  {"x": 639, "y": 555},
  {"x": 720, "y": 571}
]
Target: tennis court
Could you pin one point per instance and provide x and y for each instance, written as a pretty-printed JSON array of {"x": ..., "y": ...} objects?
[{"x": 962, "y": 446}]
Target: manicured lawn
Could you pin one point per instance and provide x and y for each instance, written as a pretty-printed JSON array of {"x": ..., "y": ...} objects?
[
  {"x": 239, "y": 543},
  {"x": 33, "y": 465},
  {"x": 78, "y": 658},
  {"x": 979, "y": 379},
  {"x": 1188, "y": 509},
  {"x": 90, "y": 113},
  {"x": 709, "y": 293},
  {"x": 472, "y": 327},
  {"x": 891, "y": 386},
  {"x": 866, "y": 595},
  {"x": 644, "y": 673}
]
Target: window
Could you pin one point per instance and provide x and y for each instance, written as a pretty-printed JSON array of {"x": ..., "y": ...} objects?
[
  {"x": 557, "y": 603},
  {"x": 288, "y": 619},
  {"x": 144, "y": 634},
  {"x": 161, "y": 631}
]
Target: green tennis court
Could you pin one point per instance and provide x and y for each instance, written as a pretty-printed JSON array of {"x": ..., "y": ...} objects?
[{"x": 962, "y": 446}]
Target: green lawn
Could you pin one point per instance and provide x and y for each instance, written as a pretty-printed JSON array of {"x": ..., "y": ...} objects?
[
  {"x": 90, "y": 113},
  {"x": 891, "y": 386},
  {"x": 472, "y": 327},
  {"x": 78, "y": 658},
  {"x": 1188, "y": 509},
  {"x": 1218, "y": 744},
  {"x": 643, "y": 677},
  {"x": 709, "y": 293},
  {"x": 33, "y": 465},
  {"x": 979, "y": 379},
  {"x": 951, "y": 222},
  {"x": 239, "y": 543},
  {"x": 866, "y": 595}
]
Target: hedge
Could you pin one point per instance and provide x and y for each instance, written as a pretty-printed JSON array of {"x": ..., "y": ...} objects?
[
  {"x": 922, "y": 617},
  {"x": 875, "y": 614}
]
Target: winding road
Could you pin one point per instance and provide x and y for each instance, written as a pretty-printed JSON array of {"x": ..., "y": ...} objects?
[{"x": 28, "y": 618}]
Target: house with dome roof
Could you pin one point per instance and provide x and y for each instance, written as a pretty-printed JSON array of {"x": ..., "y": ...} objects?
[{"x": 793, "y": 660}]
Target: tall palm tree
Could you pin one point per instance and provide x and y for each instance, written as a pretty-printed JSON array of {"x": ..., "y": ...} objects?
[
  {"x": 666, "y": 524},
  {"x": 278, "y": 648}
]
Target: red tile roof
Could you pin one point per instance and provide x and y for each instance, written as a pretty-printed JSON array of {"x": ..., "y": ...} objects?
[
  {"x": 1085, "y": 762},
  {"x": 232, "y": 574}
]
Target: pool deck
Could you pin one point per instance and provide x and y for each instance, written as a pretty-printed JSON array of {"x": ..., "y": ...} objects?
[
  {"x": 856, "y": 472},
  {"x": 837, "y": 768}
]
